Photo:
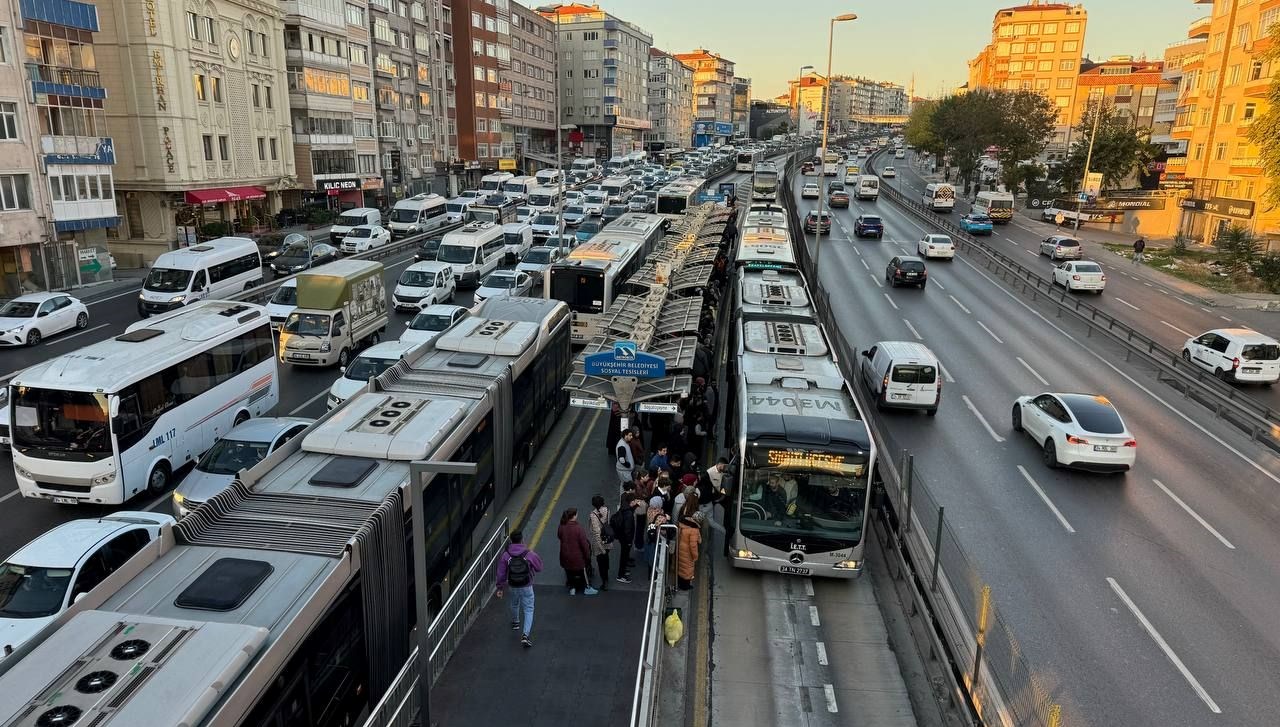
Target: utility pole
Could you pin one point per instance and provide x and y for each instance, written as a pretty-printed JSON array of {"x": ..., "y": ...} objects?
[{"x": 1088, "y": 159}]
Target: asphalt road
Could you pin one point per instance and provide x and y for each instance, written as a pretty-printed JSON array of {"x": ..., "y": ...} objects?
[{"x": 1143, "y": 599}]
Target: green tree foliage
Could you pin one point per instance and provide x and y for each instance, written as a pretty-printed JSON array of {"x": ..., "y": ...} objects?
[
  {"x": 919, "y": 129},
  {"x": 1240, "y": 250},
  {"x": 967, "y": 124},
  {"x": 1265, "y": 132},
  {"x": 1120, "y": 150},
  {"x": 1023, "y": 126}
]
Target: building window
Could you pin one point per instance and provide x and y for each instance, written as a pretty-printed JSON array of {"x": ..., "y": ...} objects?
[
  {"x": 355, "y": 15},
  {"x": 210, "y": 32},
  {"x": 476, "y": 20},
  {"x": 208, "y": 147},
  {"x": 262, "y": 148},
  {"x": 1066, "y": 65},
  {"x": 360, "y": 91},
  {"x": 198, "y": 82},
  {"x": 358, "y": 54},
  {"x": 477, "y": 72},
  {"x": 215, "y": 88},
  {"x": 1220, "y": 151},
  {"x": 479, "y": 100},
  {"x": 275, "y": 150},
  {"x": 1070, "y": 46},
  {"x": 1244, "y": 33},
  {"x": 1044, "y": 66},
  {"x": 1247, "y": 113},
  {"x": 368, "y": 163},
  {"x": 1049, "y": 29},
  {"x": 1042, "y": 84},
  {"x": 1228, "y": 112},
  {"x": 1215, "y": 45},
  {"x": 482, "y": 126},
  {"x": 1197, "y": 152},
  {"x": 14, "y": 193},
  {"x": 8, "y": 121},
  {"x": 1072, "y": 27},
  {"x": 1046, "y": 46},
  {"x": 482, "y": 151},
  {"x": 262, "y": 43},
  {"x": 224, "y": 148},
  {"x": 254, "y": 94},
  {"x": 382, "y": 31},
  {"x": 1064, "y": 83},
  {"x": 193, "y": 26}
]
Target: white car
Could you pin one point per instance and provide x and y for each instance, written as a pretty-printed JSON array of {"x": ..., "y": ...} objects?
[
  {"x": 53, "y": 571},
  {"x": 471, "y": 195},
  {"x": 431, "y": 321},
  {"x": 810, "y": 191},
  {"x": 524, "y": 214},
  {"x": 283, "y": 302},
  {"x": 889, "y": 173},
  {"x": 370, "y": 363},
  {"x": 1241, "y": 355},
  {"x": 1061, "y": 247},
  {"x": 27, "y": 319},
  {"x": 537, "y": 260},
  {"x": 247, "y": 444},
  {"x": 423, "y": 284},
  {"x": 363, "y": 238},
  {"x": 1082, "y": 431},
  {"x": 504, "y": 283},
  {"x": 572, "y": 196},
  {"x": 544, "y": 225},
  {"x": 932, "y": 245},
  {"x": 1080, "y": 275},
  {"x": 593, "y": 203}
]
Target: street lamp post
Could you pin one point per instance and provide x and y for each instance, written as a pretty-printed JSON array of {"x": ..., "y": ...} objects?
[
  {"x": 800, "y": 85},
  {"x": 1088, "y": 159},
  {"x": 826, "y": 113},
  {"x": 559, "y": 131}
]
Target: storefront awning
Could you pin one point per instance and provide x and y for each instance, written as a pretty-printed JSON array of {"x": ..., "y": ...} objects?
[{"x": 225, "y": 194}]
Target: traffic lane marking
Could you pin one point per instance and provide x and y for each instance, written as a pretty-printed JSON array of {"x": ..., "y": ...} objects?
[
  {"x": 1057, "y": 513},
  {"x": 1195, "y": 515},
  {"x": 1034, "y": 373},
  {"x": 981, "y": 418}
]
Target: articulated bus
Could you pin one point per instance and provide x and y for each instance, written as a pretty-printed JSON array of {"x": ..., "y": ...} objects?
[
  {"x": 677, "y": 196},
  {"x": 590, "y": 277},
  {"x": 764, "y": 181},
  {"x": 110, "y": 420},
  {"x": 747, "y": 160},
  {"x": 288, "y": 599},
  {"x": 765, "y": 247}
]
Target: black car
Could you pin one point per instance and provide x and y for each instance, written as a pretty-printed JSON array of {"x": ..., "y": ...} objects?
[
  {"x": 427, "y": 249},
  {"x": 833, "y": 186},
  {"x": 906, "y": 270},
  {"x": 299, "y": 256},
  {"x": 868, "y": 226}
]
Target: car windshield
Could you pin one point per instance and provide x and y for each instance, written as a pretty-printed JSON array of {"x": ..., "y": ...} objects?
[
  {"x": 456, "y": 254},
  {"x": 455, "y": 207},
  {"x": 1260, "y": 352},
  {"x": 32, "y": 592},
  {"x": 547, "y": 220},
  {"x": 536, "y": 256},
  {"x": 18, "y": 309},
  {"x": 73, "y": 424},
  {"x": 500, "y": 281},
  {"x": 1087, "y": 268},
  {"x": 1094, "y": 414},
  {"x": 302, "y": 250},
  {"x": 589, "y": 226},
  {"x": 307, "y": 324},
  {"x": 418, "y": 278},
  {"x": 285, "y": 295},
  {"x": 430, "y": 322},
  {"x": 229, "y": 456},
  {"x": 788, "y": 492},
  {"x": 361, "y": 232},
  {"x": 575, "y": 210},
  {"x": 167, "y": 280},
  {"x": 364, "y": 368}
]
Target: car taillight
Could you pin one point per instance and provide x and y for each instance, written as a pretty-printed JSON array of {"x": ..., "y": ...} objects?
[
  {"x": 1075, "y": 277},
  {"x": 897, "y": 273},
  {"x": 1073, "y": 439},
  {"x": 1235, "y": 362},
  {"x": 1131, "y": 443},
  {"x": 884, "y": 383},
  {"x": 1103, "y": 278}
]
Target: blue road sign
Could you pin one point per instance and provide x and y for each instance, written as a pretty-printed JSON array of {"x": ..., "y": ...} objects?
[{"x": 625, "y": 360}]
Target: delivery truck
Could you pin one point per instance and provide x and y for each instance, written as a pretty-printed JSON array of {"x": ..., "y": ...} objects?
[{"x": 342, "y": 307}]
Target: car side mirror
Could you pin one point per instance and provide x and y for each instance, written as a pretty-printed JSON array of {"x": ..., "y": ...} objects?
[
  {"x": 342, "y": 369},
  {"x": 42, "y": 314},
  {"x": 866, "y": 354},
  {"x": 79, "y": 596}
]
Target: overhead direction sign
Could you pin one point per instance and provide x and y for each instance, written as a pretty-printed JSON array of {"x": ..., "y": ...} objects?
[{"x": 625, "y": 360}]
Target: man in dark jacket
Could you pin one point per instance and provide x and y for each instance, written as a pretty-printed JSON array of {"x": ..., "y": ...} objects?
[
  {"x": 623, "y": 523},
  {"x": 519, "y": 578}
]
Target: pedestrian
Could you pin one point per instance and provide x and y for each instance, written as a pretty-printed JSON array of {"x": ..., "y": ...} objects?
[
  {"x": 660, "y": 461},
  {"x": 677, "y": 466},
  {"x": 643, "y": 481},
  {"x": 623, "y": 523},
  {"x": 601, "y": 538},
  {"x": 709, "y": 488},
  {"x": 687, "y": 545},
  {"x": 688, "y": 488},
  {"x": 575, "y": 553},
  {"x": 1139, "y": 247},
  {"x": 624, "y": 460},
  {"x": 516, "y": 569},
  {"x": 638, "y": 451}
]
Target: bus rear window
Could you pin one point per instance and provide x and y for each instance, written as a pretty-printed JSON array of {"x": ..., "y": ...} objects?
[{"x": 582, "y": 291}]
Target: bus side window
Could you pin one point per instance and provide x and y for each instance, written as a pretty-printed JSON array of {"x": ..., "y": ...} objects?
[
  {"x": 198, "y": 283},
  {"x": 129, "y": 419}
]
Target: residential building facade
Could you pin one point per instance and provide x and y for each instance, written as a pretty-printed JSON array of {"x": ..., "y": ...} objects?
[
  {"x": 712, "y": 96},
  {"x": 670, "y": 102},
  {"x": 603, "y": 79},
  {"x": 533, "y": 88},
  {"x": 741, "y": 106},
  {"x": 1130, "y": 86},
  {"x": 481, "y": 54},
  {"x": 191, "y": 146},
  {"x": 1170, "y": 98}
]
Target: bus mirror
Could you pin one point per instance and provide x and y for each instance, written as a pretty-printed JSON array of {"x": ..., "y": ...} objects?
[
  {"x": 114, "y": 407},
  {"x": 866, "y": 354}
]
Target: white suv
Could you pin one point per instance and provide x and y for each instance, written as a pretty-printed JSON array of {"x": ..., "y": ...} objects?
[{"x": 1241, "y": 355}]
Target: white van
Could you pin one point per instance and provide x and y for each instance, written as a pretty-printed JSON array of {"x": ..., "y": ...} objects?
[
  {"x": 211, "y": 270},
  {"x": 1241, "y": 355},
  {"x": 587, "y": 165},
  {"x": 939, "y": 197},
  {"x": 519, "y": 188},
  {"x": 475, "y": 250},
  {"x": 518, "y": 237},
  {"x": 868, "y": 187},
  {"x": 617, "y": 165},
  {"x": 423, "y": 284},
  {"x": 544, "y": 198},
  {"x": 492, "y": 183},
  {"x": 549, "y": 177},
  {"x": 455, "y": 210},
  {"x": 353, "y": 218},
  {"x": 618, "y": 189},
  {"x": 902, "y": 375},
  {"x": 420, "y": 213}
]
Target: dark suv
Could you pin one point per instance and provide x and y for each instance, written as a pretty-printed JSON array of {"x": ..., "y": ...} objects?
[
  {"x": 811, "y": 223},
  {"x": 868, "y": 226},
  {"x": 906, "y": 270}
]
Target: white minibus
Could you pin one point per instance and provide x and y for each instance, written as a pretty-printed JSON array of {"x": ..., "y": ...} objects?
[{"x": 210, "y": 270}]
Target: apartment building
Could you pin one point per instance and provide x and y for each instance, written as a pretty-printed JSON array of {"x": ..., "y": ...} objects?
[
  {"x": 1037, "y": 46},
  {"x": 1223, "y": 90},
  {"x": 604, "y": 76},
  {"x": 481, "y": 51},
  {"x": 741, "y": 106},
  {"x": 533, "y": 88},
  {"x": 670, "y": 102},
  {"x": 1168, "y": 100},
  {"x": 1130, "y": 86},
  {"x": 712, "y": 96},
  {"x": 197, "y": 106}
]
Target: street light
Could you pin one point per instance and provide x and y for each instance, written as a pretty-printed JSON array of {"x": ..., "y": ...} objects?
[
  {"x": 799, "y": 85},
  {"x": 559, "y": 132},
  {"x": 1088, "y": 159},
  {"x": 826, "y": 112}
]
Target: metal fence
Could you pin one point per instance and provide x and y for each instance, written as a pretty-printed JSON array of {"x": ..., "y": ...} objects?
[{"x": 644, "y": 700}]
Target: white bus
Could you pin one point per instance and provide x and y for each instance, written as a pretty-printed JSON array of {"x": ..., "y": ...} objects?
[
  {"x": 648, "y": 228},
  {"x": 939, "y": 197},
  {"x": 492, "y": 183},
  {"x": 747, "y": 160},
  {"x": 590, "y": 277},
  {"x": 118, "y": 417},
  {"x": 765, "y": 247},
  {"x": 996, "y": 205},
  {"x": 678, "y": 196},
  {"x": 420, "y": 213},
  {"x": 764, "y": 181}
]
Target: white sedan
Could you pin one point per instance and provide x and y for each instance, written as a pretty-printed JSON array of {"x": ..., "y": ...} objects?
[
  {"x": 1080, "y": 275},
  {"x": 1083, "y": 431},
  {"x": 889, "y": 173},
  {"x": 931, "y": 246},
  {"x": 27, "y": 319},
  {"x": 431, "y": 321},
  {"x": 810, "y": 191},
  {"x": 502, "y": 283},
  {"x": 362, "y": 238}
]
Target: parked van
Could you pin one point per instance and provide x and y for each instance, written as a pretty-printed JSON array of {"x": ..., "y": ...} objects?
[
  {"x": 475, "y": 250},
  {"x": 423, "y": 284},
  {"x": 420, "y": 213},
  {"x": 868, "y": 187},
  {"x": 342, "y": 308},
  {"x": 518, "y": 188},
  {"x": 939, "y": 197},
  {"x": 353, "y": 218},
  {"x": 518, "y": 237},
  {"x": 210, "y": 270},
  {"x": 544, "y": 198},
  {"x": 492, "y": 183},
  {"x": 549, "y": 177},
  {"x": 455, "y": 210},
  {"x": 902, "y": 375}
]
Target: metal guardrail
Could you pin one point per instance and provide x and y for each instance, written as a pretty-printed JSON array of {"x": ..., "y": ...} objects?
[
  {"x": 399, "y": 706},
  {"x": 1259, "y": 421},
  {"x": 644, "y": 700}
]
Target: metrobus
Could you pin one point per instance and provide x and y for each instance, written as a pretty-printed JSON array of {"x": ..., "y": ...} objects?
[
  {"x": 648, "y": 228},
  {"x": 590, "y": 277},
  {"x": 747, "y": 160},
  {"x": 765, "y": 247},
  {"x": 289, "y": 598},
  {"x": 119, "y": 417},
  {"x": 764, "y": 181},
  {"x": 676, "y": 197},
  {"x": 996, "y": 205}
]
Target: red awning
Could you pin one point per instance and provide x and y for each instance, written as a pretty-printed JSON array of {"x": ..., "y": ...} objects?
[{"x": 226, "y": 194}]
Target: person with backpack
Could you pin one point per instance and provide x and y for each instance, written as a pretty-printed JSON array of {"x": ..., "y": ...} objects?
[
  {"x": 575, "y": 553},
  {"x": 623, "y": 524},
  {"x": 601, "y": 538},
  {"x": 516, "y": 569}
]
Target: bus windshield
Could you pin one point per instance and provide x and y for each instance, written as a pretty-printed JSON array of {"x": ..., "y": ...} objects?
[
  {"x": 456, "y": 254},
  {"x": 401, "y": 214},
  {"x": 581, "y": 290},
  {"x": 788, "y": 492},
  {"x": 167, "y": 280},
  {"x": 75, "y": 424}
]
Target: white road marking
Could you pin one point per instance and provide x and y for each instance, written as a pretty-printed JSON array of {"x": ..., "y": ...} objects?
[
  {"x": 1179, "y": 330},
  {"x": 1057, "y": 513},
  {"x": 1122, "y": 301},
  {"x": 808, "y": 587},
  {"x": 822, "y": 653},
  {"x": 1194, "y": 514},
  {"x": 1183, "y": 300},
  {"x": 876, "y": 280},
  {"x": 1164, "y": 646},
  {"x": 988, "y": 330},
  {"x": 981, "y": 418},
  {"x": 864, "y": 264},
  {"x": 1149, "y": 285},
  {"x": 131, "y": 291},
  {"x": 830, "y": 693},
  {"x": 857, "y": 251},
  {"x": 895, "y": 305},
  {"x": 947, "y": 374},
  {"x": 1034, "y": 373},
  {"x": 1228, "y": 320},
  {"x": 939, "y": 284},
  {"x": 1032, "y": 252},
  {"x": 953, "y": 298},
  {"x": 159, "y": 501},
  {"x": 81, "y": 333},
  {"x": 308, "y": 402},
  {"x": 914, "y": 332},
  {"x": 15, "y": 493},
  {"x": 1162, "y": 291},
  {"x": 1206, "y": 310},
  {"x": 813, "y": 616}
]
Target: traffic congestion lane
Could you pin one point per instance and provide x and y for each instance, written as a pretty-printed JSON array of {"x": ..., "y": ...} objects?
[{"x": 947, "y": 317}]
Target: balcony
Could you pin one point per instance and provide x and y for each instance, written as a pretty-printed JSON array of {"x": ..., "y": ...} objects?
[
  {"x": 312, "y": 59},
  {"x": 1257, "y": 88},
  {"x": 1242, "y": 126},
  {"x": 1175, "y": 164},
  {"x": 1199, "y": 26},
  {"x": 1246, "y": 165},
  {"x": 610, "y": 43},
  {"x": 609, "y": 62},
  {"x": 1183, "y": 131},
  {"x": 78, "y": 149}
]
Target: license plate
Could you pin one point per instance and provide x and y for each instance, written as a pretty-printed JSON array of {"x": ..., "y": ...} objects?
[
  {"x": 1103, "y": 448},
  {"x": 899, "y": 396},
  {"x": 794, "y": 570},
  {"x": 299, "y": 357},
  {"x": 911, "y": 275},
  {"x": 1250, "y": 370},
  {"x": 65, "y": 500}
]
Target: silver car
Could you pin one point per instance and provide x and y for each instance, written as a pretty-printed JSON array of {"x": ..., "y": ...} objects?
[
  {"x": 243, "y": 447},
  {"x": 1061, "y": 247}
]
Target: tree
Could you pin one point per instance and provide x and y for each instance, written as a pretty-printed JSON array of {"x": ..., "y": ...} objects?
[
  {"x": 966, "y": 126},
  {"x": 1240, "y": 250},
  {"x": 1120, "y": 150},
  {"x": 919, "y": 130},
  {"x": 1021, "y": 131},
  {"x": 1265, "y": 132}
]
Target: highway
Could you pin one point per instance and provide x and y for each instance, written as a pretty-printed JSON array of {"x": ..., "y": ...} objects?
[{"x": 1142, "y": 599}]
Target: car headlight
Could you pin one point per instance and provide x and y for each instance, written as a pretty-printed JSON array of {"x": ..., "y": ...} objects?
[
  {"x": 142, "y": 296},
  {"x": 177, "y": 299},
  {"x": 326, "y": 347},
  {"x": 746, "y": 555},
  {"x": 105, "y": 479},
  {"x": 23, "y": 473},
  {"x": 178, "y": 499}
]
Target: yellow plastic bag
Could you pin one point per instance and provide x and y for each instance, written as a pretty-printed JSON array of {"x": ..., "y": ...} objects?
[{"x": 673, "y": 628}]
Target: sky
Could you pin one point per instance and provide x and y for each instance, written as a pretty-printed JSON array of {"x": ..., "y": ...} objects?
[{"x": 769, "y": 40}]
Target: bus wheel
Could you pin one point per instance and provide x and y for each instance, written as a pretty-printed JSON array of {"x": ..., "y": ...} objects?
[
  {"x": 241, "y": 418},
  {"x": 158, "y": 480}
]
